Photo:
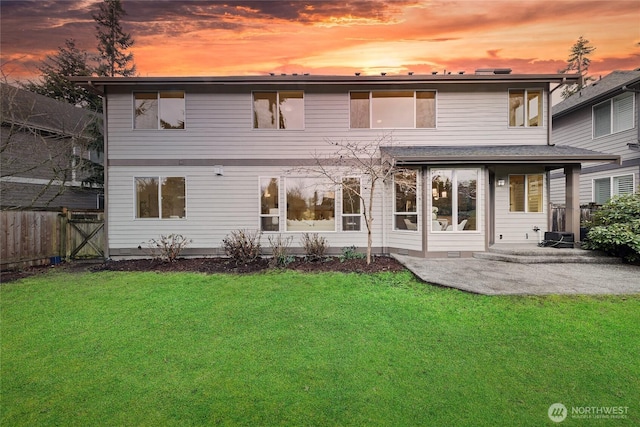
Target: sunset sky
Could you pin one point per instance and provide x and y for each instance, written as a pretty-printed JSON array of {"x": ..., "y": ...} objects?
[{"x": 332, "y": 37}]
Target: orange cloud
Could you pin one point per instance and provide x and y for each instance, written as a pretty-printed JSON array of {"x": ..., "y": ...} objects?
[{"x": 333, "y": 37}]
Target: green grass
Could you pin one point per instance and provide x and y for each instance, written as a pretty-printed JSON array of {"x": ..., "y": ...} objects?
[{"x": 299, "y": 349}]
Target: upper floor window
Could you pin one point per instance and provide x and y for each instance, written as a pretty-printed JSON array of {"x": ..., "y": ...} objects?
[
  {"x": 278, "y": 110},
  {"x": 604, "y": 188},
  {"x": 158, "y": 197},
  {"x": 525, "y": 193},
  {"x": 393, "y": 109},
  {"x": 159, "y": 110},
  {"x": 614, "y": 115},
  {"x": 525, "y": 107}
]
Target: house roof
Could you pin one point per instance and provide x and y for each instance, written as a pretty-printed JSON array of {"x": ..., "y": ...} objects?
[
  {"x": 98, "y": 83},
  {"x": 496, "y": 154},
  {"x": 609, "y": 85},
  {"x": 23, "y": 107}
]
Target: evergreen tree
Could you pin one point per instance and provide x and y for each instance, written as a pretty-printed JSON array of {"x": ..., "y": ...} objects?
[
  {"x": 69, "y": 61},
  {"x": 579, "y": 62},
  {"x": 113, "y": 42}
]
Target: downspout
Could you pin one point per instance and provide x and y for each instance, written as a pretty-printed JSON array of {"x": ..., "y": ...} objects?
[
  {"x": 549, "y": 129},
  {"x": 549, "y": 109},
  {"x": 105, "y": 169}
]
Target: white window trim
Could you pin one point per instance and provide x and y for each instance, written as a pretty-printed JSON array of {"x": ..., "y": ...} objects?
[
  {"x": 611, "y": 189},
  {"x": 159, "y": 178},
  {"x": 159, "y": 128},
  {"x": 526, "y": 122},
  {"x": 285, "y": 207},
  {"x": 415, "y": 101},
  {"x": 342, "y": 214},
  {"x": 454, "y": 202},
  {"x": 278, "y": 129},
  {"x": 526, "y": 195},
  {"x": 610, "y": 101},
  {"x": 260, "y": 214},
  {"x": 418, "y": 206}
]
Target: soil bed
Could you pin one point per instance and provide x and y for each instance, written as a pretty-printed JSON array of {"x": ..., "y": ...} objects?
[{"x": 216, "y": 265}]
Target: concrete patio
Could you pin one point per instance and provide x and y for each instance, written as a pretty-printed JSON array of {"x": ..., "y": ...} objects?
[{"x": 529, "y": 271}]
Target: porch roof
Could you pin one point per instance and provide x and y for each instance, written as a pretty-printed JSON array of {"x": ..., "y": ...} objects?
[{"x": 550, "y": 155}]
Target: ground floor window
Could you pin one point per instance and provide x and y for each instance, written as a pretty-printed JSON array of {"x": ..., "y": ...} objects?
[
  {"x": 526, "y": 193},
  {"x": 311, "y": 205},
  {"x": 405, "y": 185},
  {"x": 158, "y": 197},
  {"x": 454, "y": 199},
  {"x": 351, "y": 204},
  {"x": 269, "y": 209},
  {"x": 605, "y": 188}
]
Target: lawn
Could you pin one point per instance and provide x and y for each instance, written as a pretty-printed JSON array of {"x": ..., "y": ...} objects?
[{"x": 290, "y": 348}]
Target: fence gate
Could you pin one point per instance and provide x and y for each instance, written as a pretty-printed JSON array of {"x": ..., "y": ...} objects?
[{"x": 85, "y": 234}]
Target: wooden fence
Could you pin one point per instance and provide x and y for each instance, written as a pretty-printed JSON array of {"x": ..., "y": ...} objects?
[
  {"x": 558, "y": 216},
  {"x": 40, "y": 237}
]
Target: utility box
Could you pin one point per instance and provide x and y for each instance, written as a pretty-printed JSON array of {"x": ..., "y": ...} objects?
[{"x": 558, "y": 239}]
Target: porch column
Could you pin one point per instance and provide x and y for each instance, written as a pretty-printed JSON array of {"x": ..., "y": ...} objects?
[{"x": 572, "y": 202}]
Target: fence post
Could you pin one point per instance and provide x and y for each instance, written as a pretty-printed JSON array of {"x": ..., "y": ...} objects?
[{"x": 65, "y": 235}]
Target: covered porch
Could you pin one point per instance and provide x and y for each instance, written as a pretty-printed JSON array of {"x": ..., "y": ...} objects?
[{"x": 500, "y": 219}]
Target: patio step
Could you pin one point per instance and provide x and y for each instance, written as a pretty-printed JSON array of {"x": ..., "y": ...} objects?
[{"x": 545, "y": 255}]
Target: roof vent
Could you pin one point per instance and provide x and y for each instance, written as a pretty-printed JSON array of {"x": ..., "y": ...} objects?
[{"x": 488, "y": 71}]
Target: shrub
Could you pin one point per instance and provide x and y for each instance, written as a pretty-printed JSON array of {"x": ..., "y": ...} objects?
[
  {"x": 616, "y": 228},
  {"x": 242, "y": 246},
  {"x": 168, "y": 248},
  {"x": 350, "y": 252},
  {"x": 280, "y": 251},
  {"x": 314, "y": 246}
]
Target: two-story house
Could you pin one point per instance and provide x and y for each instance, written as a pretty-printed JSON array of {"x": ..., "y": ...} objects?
[
  {"x": 43, "y": 148},
  {"x": 603, "y": 117},
  {"x": 202, "y": 156}
]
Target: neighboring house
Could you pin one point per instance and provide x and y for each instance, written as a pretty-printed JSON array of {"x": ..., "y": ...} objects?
[
  {"x": 43, "y": 147},
  {"x": 202, "y": 156},
  {"x": 601, "y": 117}
]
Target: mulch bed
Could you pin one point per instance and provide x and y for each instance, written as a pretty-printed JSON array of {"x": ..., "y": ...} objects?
[{"x": 216, "y": 265}]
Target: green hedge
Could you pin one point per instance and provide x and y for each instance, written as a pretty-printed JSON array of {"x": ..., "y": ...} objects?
[{"x": 615, "y": 228}]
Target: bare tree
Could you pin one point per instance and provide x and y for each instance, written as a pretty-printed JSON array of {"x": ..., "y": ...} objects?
[
  {"x": 42, "y": 141},
  {"x": 357, "y": 158}
]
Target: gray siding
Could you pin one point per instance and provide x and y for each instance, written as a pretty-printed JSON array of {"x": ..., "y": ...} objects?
[
  {"x": 219, "y": 125},
  {"x": 216, "y": 205},
  {"x": 517, "y": 227},
  {"x": 218, "y": 128},
  {"x": 575, "y": 129}
]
